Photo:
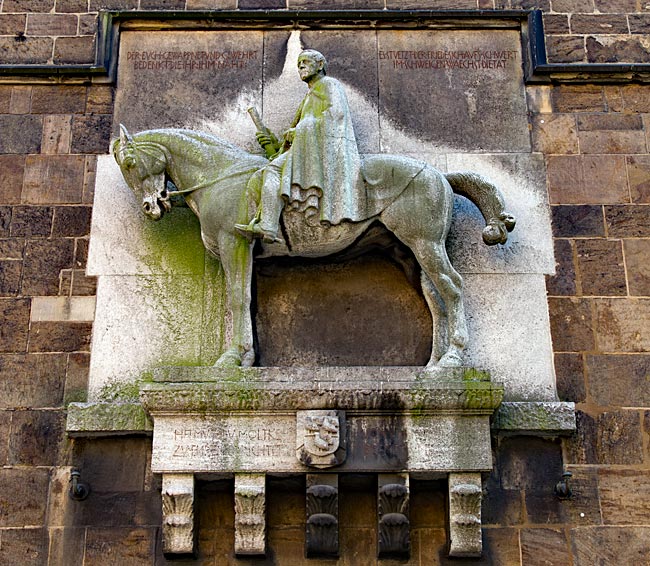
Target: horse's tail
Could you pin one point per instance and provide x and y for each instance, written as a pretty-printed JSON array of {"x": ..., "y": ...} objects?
[{"x": 489, "y": 200}]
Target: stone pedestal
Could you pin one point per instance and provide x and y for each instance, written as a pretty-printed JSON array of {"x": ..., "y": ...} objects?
[{"x": 257, "y": 421}]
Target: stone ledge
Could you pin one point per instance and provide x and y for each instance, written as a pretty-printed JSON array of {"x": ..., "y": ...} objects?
[
  {"x": 395, "y": 389},
  {"x": 107, "y": 419},
  {"x": 538, "y": 418}
]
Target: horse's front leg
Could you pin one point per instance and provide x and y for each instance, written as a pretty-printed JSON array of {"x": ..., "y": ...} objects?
[{"x": 237, "y": 259}]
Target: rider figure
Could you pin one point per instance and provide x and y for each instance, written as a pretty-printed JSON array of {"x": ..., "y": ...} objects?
[{"x": 318, "y": 154}]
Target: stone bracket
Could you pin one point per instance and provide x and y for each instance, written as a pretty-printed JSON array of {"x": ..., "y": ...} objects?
[
  {"x": 322, "y": 526},
  {"x": 394, "y": 536},
  {"x": 178, "y": 514},
  {"x": 465, "y": 492},
  {"x": 250, "y": 514}
]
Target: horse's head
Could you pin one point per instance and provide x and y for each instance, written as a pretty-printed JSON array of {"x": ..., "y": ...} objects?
[{"x": 143, "y": 165}]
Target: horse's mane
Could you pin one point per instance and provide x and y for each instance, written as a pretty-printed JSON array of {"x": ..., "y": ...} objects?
[{"x": 195, "y": 138}]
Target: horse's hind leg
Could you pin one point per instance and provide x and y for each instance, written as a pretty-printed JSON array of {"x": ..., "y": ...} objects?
[{"x": 437, "y": 268}]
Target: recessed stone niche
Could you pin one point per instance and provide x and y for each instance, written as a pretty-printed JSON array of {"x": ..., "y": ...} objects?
[{"x": 340, "y": 342}]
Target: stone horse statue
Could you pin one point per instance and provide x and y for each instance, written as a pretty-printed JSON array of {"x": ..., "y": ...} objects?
[{"x": 216, "y": 179}]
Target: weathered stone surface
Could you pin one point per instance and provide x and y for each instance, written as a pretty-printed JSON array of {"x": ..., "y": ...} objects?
[
  {"x": 13, "y": 330},
  {"x": 71, "y": 221},
  {"x": 577, "y": 221},
  {"x": 58, "y": 99},
  {"x": 529, "y": 463},
  {"x": 619, "y": 380},
  {"x": 20, "y": 134},
  {"x": 588, "y": 24},
  {"x": 125, "y": 546},
  {"x": 572, "y": 326},
  {"x": 24, "y": 496},
  {"x": 56, "y": 134},
  {"x": 60, "y": 336},
  {"x": 616, "y": 49},
  {"x": 37, "y": 438},
  {"x": 610, "y": 545},
  {"x": 53, "y": 179},
  {"x": 10, "y": 274},
  {"x": 564, "y": 280},
  {"x": 44, "y": 259},
  {"x": 12, "y": 168},
  {"x": 624, "y": 496},
  {"x": 31, "y": 221},
  {"x": 113, "y": 464},
  {"x": 556, "y": 23},
  {"x": 36, "y": 50},
  {"x": 544, "y": 546},
  {"x": 73, "y": 309},
  {"x": 33, "y": 380},
  {"x": 611, "y": 141},
  {"x": 11, "y": 24},
  {"x": 619, "y": 438},
  {"x": 570, "y": 379},
  {"x": 96, "y": 419},
  {"x": 28, "y": 545},
  {"x": 51, "y": 24},
  {"x": 74, "y": 50},
  {"x": 91, "y": 133},
  {"x": 600, "y": 266},
  {"x": 578, "y": 98},
  {"x": 581, "y": 447},
  {"x": 540, "y": 418},
  {"x": 565, "y": 49},
  {"x": 587, "y": 179},
  {"x": 555, "y": 133},
  {"x": 638, "y": 172},
  {"x": 627, "y": 221},
  {"x": 638, "y": 271},
  {"x": 66, "y": 545},
  {"x": 634, "y": 99},
  {"x": 620, "y": 325}
]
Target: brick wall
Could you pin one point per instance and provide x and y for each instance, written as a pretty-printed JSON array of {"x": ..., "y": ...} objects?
[{"x": 596, "y": 142}]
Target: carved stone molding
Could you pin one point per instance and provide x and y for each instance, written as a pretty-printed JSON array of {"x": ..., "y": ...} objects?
[
  {"x": 250, "y": 513},
  {"x": 465, "y": 494},
  {"x": 178, "y": 513},
  {"x": 320, "y": 438},
  {"x": 322, "y": 527},
  {"x": 393, "y": 505}
]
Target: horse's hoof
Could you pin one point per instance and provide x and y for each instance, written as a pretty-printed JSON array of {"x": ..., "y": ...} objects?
[
  {"x": 450, "y": 360},
  {"x": 229, "y": 359}
]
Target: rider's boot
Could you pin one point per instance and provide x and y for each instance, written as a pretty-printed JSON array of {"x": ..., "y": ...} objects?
[{"x": 266, "y": 223}]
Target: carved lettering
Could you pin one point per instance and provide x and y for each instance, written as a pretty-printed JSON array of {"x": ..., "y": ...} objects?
[
  {"x": 190, "y": 60},
  {"x": 477, "y": 59}
]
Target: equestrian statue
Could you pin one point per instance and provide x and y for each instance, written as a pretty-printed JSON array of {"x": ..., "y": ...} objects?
[{"x": 313, "y": 194}]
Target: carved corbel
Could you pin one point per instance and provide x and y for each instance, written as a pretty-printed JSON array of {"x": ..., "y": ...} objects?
[
  {"x": 393, "y": 506},
  {"x": 178, "y": 513},
  {"x": 465, "y": 494},
  {"x": 322, "y": 528},
  {"x": 250, "y": 513}
]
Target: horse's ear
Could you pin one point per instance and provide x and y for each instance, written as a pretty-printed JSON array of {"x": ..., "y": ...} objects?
[{"x": 125, "y": 137}]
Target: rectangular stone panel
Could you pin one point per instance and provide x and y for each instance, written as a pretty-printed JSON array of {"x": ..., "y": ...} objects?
[
  {"x": 266, "y": 443},
  {"x": 454, "y": 90}
]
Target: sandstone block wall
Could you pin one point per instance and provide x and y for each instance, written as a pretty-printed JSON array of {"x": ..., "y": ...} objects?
[{"x": 596, "y": 143}]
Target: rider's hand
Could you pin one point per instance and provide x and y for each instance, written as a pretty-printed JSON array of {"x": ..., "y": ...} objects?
[{"x": 267, "y": 139}]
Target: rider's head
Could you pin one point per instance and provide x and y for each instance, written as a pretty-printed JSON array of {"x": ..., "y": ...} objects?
[{"x": 311, "y": 63}]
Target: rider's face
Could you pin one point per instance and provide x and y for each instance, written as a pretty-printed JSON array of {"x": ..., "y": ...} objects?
[{"x": 308, "y": 68}]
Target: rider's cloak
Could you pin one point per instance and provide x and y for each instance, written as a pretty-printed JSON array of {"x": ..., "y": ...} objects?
[{"x": 324, "y": 157}]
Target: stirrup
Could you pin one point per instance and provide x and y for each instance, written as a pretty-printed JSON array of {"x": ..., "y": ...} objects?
[{"x": 254, "y": 230}]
